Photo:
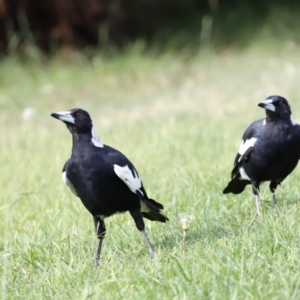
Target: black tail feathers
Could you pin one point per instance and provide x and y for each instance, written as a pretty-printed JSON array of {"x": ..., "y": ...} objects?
[
  {"x": 154, "y": 204},
  {"x": 236, "y": 186},
  {"x": 154, "y": 214}
]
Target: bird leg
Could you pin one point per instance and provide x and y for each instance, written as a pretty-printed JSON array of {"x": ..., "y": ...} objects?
[
  {"x": 273, "y": 186},
  {"x": 275, "y": 203},
  {"x": 100, "y": 231},
  {"x": 255, "y": 190},
  {"x": 139, "y": 222},
  {"x": 151, "y": 250}
]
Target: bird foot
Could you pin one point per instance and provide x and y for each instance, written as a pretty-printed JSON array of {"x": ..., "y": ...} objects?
[
  {"x": 259, "y": 215},
  {"x": 151, "y": 252},
  {"x": 276, "y": 209},
  {"x": 97, "y": 263}
]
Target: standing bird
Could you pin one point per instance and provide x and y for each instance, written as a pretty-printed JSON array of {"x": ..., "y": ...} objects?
[
  {"x": 104, "y": 179},
  {"x": 269, "y": 151}
]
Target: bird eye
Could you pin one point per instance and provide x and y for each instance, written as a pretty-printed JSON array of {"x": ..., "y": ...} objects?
[
  {"x": 79, "y": 115},
  {"x": 280, "y": 103}
]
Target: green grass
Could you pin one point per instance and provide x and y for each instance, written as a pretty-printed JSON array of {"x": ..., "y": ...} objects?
[{"x": 180, "y": 120}]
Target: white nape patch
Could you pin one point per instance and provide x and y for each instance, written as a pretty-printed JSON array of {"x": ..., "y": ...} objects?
[
  {"x": 243, "y": 174},
  {"x": 96, "y": 140},
  {"x": 68, "y": 183},
  {"x": 293, "y": 121},
  {"x": 65, "y": 116},
  {"x": 133, "y": 182},
  {"x": 245, "y": 145},
  {"x": 264, "y": 122}
]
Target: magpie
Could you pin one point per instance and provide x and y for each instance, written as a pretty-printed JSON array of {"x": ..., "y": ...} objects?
[
  {"x": 104, "y": 179},
  {"x": 269, "y": 151}
]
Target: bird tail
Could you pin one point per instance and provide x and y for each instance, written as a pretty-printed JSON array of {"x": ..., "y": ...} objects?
[
  {"x": 236, "y": 186},
  {"x": 154, "y": 214}
]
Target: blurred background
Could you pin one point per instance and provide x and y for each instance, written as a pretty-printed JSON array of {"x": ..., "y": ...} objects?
[{"x": 165, "y": 24}]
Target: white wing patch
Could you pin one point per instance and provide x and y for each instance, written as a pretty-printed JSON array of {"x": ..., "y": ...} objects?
[
  {"x": 245, "y": 145},
  {"x": 134, "y": 183},
  {"x": 96, "y": 140},
  {"x": 244, "y": 174},
  {"x": 264, "y": 122},
  {"x": 68, "y": 183}
]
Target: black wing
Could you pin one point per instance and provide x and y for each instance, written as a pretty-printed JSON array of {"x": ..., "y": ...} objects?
[{"x": 126, "y": 171}]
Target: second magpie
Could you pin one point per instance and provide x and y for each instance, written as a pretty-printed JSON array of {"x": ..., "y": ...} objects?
[{"x": 269, "y": 151}]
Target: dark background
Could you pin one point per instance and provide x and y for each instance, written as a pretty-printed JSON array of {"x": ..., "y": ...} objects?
[{"x": 79, "y": 24}]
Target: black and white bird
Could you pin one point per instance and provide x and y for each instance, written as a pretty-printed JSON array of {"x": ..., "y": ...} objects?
[
  {"x": 269, "y": 151},
  {"x": 104, "y": 179}
]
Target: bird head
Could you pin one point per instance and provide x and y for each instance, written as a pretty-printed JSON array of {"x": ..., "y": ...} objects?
[
  {"x": 76, "y": 120},
  {"x": 276, "y": 106}
]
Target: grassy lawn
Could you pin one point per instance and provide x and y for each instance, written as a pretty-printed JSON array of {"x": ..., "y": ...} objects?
[{"x": 180, "y": 119}]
